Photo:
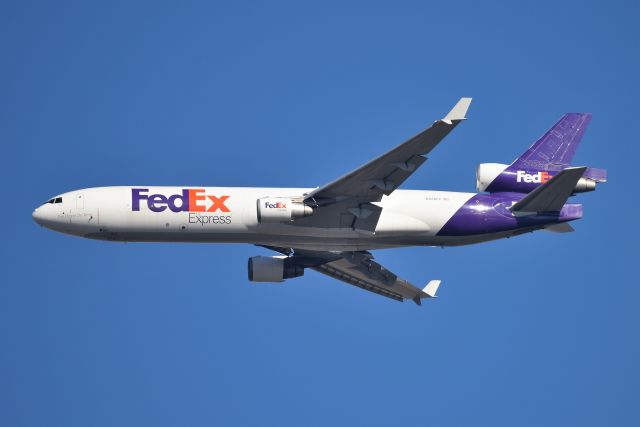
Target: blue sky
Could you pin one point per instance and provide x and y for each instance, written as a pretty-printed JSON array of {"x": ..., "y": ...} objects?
[{"x": 536, "y": 330}]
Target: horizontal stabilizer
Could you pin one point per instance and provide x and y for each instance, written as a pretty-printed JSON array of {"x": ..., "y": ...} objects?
[
  {"x": 552, "y": 196},
  {"x": 596, "y": 174},
  {"x": 563, "y": 227}
]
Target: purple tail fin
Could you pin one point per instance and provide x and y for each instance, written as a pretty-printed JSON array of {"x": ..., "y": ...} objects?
[
  {"x": 555, "y": 149},
  {"x": 548, "y": 156}
]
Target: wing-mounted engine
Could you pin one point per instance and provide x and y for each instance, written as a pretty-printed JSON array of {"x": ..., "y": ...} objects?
[
  {"x": 273, "y": 269},
  {"x": 497, "y": 177},
  {"x": 281, "y": 209}
]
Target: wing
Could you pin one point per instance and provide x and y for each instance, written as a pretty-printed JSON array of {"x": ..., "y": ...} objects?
[
  {"x": 353, "y": 194},
  {"x": 359, "y": 269}
]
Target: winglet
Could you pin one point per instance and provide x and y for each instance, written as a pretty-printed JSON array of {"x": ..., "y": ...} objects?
[
  {"x": 459, "y": 111},
  {"x": 428, "y": 291},
  {"x": 432, "y": 288}
]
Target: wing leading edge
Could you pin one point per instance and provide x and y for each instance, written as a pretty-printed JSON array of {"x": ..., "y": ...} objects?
[
  {"x": 348, "y": 202},
  {"x": 384, "y": 174}
]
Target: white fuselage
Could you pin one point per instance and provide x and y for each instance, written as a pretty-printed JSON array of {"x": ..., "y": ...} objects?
[{"x": 229, "y": 214}]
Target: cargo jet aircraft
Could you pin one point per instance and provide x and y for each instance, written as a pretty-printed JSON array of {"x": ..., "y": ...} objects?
[{"x": 330, "y": 229}]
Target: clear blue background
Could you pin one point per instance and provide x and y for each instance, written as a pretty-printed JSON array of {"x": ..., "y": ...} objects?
[{"x": 536, "y": 330}]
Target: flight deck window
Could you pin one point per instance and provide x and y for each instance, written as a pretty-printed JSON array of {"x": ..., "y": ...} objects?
[
  {"x": 58, "y": 200},
  {"x": 50, "y": 201}
]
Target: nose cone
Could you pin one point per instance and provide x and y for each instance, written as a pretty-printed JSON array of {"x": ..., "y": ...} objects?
[
  {"x": 56, "y": 214},
  {"x": 44, "y": 216},
  {"x": 49, "y": 215},
  {"x": 37, "y": 216}
]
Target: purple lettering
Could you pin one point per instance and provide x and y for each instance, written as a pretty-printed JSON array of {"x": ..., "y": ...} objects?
[
  {"x": 184, "y": 202},
  {"x": 136, "y": 197},
  {"x": 157, "y": 198}
]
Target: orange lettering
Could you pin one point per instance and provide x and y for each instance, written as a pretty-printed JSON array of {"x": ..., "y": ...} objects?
[
  {"x": 218, "y": 203},
  {"x": 194, "y": 198}
]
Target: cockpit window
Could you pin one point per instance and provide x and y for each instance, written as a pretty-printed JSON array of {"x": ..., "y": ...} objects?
[
  {"x": 50, "y": 201},
  {"x": 58, "y": 200}
]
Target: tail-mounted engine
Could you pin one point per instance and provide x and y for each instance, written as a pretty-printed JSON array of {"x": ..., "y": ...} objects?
[
  {"x": 281, "y": 209},
  {"x": 273, "y": 269},
  {"x": 497, "y": 177}
]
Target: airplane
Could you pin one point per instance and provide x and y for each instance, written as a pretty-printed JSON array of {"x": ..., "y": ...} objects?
[{"x": 332, "y": 228}]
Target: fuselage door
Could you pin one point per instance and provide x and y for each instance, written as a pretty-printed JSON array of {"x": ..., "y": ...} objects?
[{"x": 81, "y": 214}]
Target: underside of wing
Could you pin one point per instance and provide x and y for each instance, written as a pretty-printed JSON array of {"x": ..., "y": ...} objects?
[{"x": 359, "y": 269}]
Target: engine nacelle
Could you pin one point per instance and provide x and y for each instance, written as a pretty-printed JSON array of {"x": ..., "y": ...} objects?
[
  {"x": 272, "y": 269},
  {"x": 584, "y": 185},
  {"x": 281, "y": 209},
  {"x": 486, "y": 173}
]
